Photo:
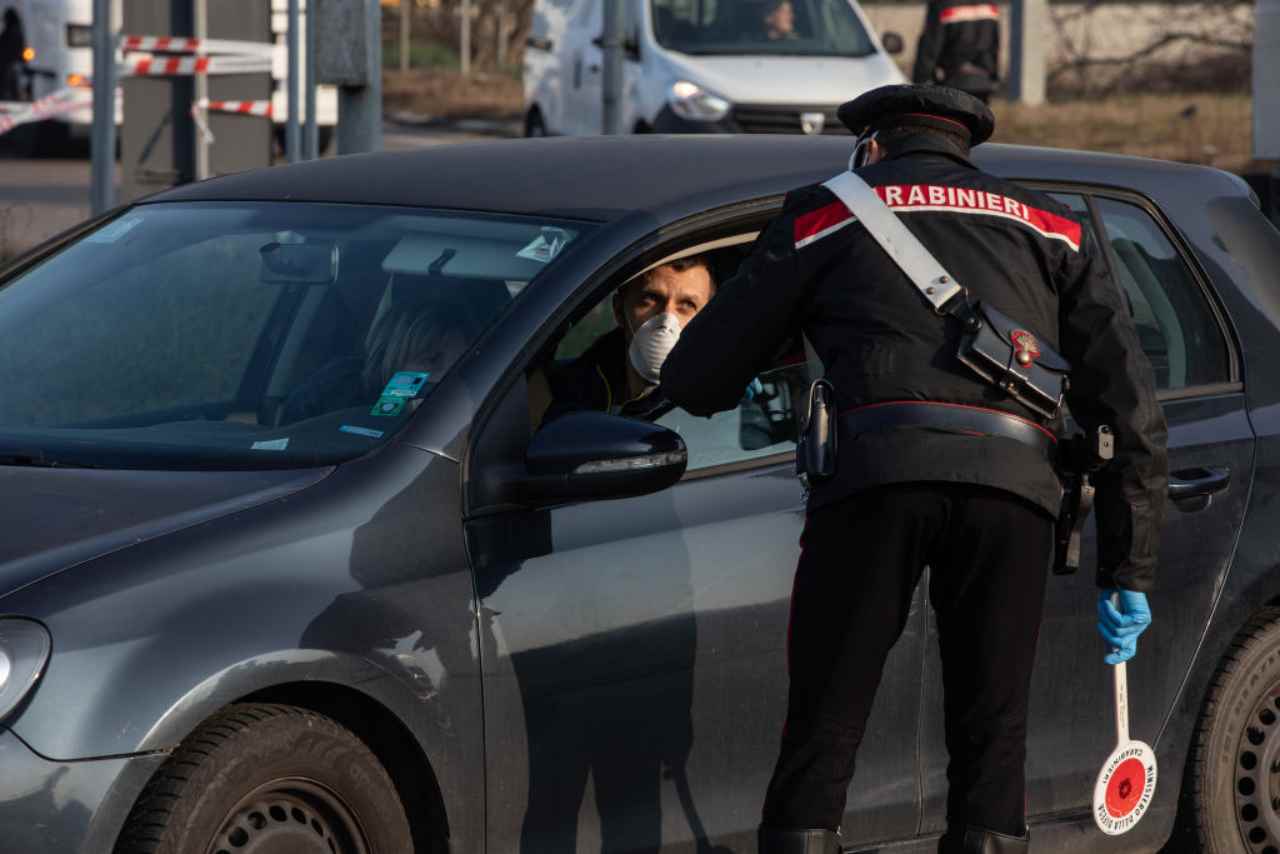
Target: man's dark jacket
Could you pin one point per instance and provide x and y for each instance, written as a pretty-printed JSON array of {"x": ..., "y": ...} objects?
[
  {"x": 960, "y": 46},
  {"x": 816, "y": 269},
  {"x": 595, "y": 380}
]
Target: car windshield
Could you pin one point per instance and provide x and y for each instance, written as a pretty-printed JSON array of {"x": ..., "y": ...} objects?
[
  {"x": 785, "y": 27},
  {"x": 250, "y": 335}
]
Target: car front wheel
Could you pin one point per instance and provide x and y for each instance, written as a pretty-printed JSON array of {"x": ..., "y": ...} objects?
[
  {"x": 1234, "y": 774},
  {"x": 260, "y": 778}
]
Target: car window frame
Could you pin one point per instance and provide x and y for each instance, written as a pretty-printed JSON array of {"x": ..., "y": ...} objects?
[
  {"x": 703, "y": 227},
  {"x": 1190, "y": 262}
]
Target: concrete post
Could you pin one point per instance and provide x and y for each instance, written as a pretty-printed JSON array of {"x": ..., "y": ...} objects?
[
  {"x": 349, "y": 55},
  {"x": 464, "y": 38},
  {"x": 1026, "y": 50},
  {"x": 406, "y": 14},
  {"x": 615, "y": 23},
  {"x": 311, "y": 131},
  {"x": 102, "y": 195},
  {"x": 292, "y": 129},
  {"x": 202, "y": 90},
  {"x": 1266, "y": 81}
]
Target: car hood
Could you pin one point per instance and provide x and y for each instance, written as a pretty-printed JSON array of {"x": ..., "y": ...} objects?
[
  {"x": 806, "y": 80},
  {"x": 53, "y": 519}
]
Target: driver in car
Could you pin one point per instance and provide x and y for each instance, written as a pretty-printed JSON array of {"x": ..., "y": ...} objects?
[{"x": 619, "y": 372}]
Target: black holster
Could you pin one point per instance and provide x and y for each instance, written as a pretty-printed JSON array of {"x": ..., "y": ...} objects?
[
  {"x": 1080, "y": 457},
  {"x": 816, "y": 444}
]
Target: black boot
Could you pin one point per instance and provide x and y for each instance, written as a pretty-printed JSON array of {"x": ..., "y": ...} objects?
[
  {"x": 976, "y": 840},
  {"x": 809, "y": 841}
]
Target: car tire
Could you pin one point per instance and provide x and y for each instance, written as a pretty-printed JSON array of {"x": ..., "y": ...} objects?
[
  {"x": 1235, "y": 752},
  {"x": 265, "y": 777},
  {"x": 533, "y": 123}
]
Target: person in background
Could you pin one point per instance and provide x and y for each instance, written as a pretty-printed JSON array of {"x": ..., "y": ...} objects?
[
  {"x": 960, "y": 47},
  {"x": 12, "y": 43}
]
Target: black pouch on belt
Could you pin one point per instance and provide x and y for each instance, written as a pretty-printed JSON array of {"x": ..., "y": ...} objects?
[
  {"x": 1009, "y": 356},
  {"x": 816, "y": 444}
]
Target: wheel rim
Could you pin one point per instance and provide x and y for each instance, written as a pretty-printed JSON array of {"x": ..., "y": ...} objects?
[
  {"x": 1257, "y": 779},
  {"x": 290, "y": 816}
]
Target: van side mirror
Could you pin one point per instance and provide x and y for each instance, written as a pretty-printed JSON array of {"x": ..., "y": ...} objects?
[
  {"x": 892, "y": 43},
  {"x": 584, "y": 455}
]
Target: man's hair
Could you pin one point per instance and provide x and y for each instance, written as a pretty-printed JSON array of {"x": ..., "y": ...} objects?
[
  {"x": 899, "y": 136},
  {"x": 679, "y": 265}
]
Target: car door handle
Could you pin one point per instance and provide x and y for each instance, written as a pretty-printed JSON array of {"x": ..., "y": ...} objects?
[
  {"x": 593, "y": 68},
  {"x": 1198, "y": 482}
]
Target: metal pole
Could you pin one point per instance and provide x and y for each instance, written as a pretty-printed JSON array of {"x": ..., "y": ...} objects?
[
  {"x": 464, "y": 41},
  {"x": 611, "y": 44},
  {"x": 1266, "y": 80},
  {"x": 202, "y": 91},
  {"x": 360, "y": 107},
  {"x": 406, "y": 12},
  {"x": 292, "y": 129},
  {"x": 1026, "y": 51},
  {"x": 311, "y": 138},
  {"x": 102, "y": 194}
]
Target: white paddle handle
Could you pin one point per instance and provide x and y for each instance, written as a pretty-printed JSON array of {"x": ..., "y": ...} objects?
[
  {"x": 1122, "y": 703},
  {"x": 1121, "y": 677}
]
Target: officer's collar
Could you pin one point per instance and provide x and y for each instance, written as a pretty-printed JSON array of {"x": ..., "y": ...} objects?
[{"x": 924, "y": 146}]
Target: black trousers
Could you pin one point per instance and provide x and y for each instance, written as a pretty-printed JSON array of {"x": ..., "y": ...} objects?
[{"x": 861, "y": 560}]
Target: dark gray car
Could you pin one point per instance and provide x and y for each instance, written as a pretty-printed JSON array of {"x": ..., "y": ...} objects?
[{"x": 290, "y": 561}]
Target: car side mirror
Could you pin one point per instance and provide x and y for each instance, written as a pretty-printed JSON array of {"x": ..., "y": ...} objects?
[
  {"x": 892, "y": 43},
  {"x": 584, "y": 455}
]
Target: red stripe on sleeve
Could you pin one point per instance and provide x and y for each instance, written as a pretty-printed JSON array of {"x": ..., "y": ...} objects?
[
  {"x": 814, "y": 222},
  {"x": 1054, "y": 224}
]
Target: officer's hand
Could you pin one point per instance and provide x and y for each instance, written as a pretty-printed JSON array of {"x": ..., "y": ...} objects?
[
  {"x": 754, "y": 390},
  {"x": 1121, "y": 627}
]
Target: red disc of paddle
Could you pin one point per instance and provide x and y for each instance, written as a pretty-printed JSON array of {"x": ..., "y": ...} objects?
[{"x": 1124, "y": 789}]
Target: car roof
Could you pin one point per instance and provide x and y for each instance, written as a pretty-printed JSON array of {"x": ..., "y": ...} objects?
[{"x": 607, "y": 178}]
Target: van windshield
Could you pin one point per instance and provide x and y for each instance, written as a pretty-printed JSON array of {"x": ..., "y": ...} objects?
[
  {"x": 783, "y": 27},
  {"x": 251, "y": 334}
]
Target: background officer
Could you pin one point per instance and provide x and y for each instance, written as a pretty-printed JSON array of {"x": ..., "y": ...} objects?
[
  {"x": 935, "y": 466},
  {"x": 960, "y": 46}
]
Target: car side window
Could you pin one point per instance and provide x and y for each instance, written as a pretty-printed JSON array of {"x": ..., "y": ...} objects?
[
  {"x": 1177, "y": 327},
  {"x": 762, "y": 425}
]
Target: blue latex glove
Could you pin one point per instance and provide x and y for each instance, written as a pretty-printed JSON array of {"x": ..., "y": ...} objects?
[
  {"x": 753, "y": 389},
  {"x": 1121, "y": 627}
]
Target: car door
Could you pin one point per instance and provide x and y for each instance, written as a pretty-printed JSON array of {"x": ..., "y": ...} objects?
[
  {"x": 583, "y": 111},
  {"x": 1071, "y": 728},
  {"x": 634, "y": 653}
]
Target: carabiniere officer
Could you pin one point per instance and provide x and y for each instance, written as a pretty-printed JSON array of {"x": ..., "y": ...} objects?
[{"x": 936, "y": 466}]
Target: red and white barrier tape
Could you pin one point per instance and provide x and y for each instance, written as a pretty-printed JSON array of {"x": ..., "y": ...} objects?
[
  {"x": 243, "y": 108},
  {"x": 175, "y": 66},
  {"x": 182, "y": 44},
  {"x": 15, "y": 113}
]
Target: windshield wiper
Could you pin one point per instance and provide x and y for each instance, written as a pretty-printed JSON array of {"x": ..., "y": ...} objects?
[{"x": 40, "y": 461}]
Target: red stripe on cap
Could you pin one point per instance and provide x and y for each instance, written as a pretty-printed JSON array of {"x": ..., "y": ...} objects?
[
  {"x": 960, "y": 125},
  {"x": 814, "y": 222}
]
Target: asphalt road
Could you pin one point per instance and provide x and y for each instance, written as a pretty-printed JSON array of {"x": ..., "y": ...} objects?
[{"x": 41, "y": 197}]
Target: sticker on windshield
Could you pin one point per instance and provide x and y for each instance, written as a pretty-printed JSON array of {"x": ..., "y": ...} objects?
[
  {"x": 405, "y": 384},
  {"x": 546, "y": 246},
  {"x": 112, "y": 232},
  {"x": 389, "y": 406},
  {"x": 271, "y": 445},
  {"x": 361, "y": 431}
]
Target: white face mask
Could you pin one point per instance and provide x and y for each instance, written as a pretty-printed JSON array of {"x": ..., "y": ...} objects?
[{"x": 652, "y": 343}]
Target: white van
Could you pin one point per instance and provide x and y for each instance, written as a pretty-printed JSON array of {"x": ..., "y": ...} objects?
[
  {"x": 60, "y": 33},
  {"x": 705, "y": 66}
]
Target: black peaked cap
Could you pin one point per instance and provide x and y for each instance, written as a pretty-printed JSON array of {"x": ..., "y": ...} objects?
[{"x": 927, "y": 104}]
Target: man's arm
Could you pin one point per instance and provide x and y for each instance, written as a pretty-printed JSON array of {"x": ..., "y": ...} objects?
[
  {"x": 929, "y": 48},
  {"x": 741, "y": 329},
  {"x": 1111, "y": 383}
]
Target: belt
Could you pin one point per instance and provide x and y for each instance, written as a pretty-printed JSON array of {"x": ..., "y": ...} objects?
[{"x": 955, "y": 417}]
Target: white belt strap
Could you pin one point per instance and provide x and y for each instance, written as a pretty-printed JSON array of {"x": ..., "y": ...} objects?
[{"x": 934, "y": 283}]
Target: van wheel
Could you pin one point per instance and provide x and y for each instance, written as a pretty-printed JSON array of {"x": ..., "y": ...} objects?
[
  {"x": 533, "y": 123},
  {"x": 264, "y": 778},
  {"x": 1233, "y": 772}
]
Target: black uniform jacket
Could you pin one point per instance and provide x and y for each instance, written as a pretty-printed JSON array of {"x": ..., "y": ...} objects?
[
  {"x": 815, "y": 269},
  {"x": 961, "y": 40}
]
